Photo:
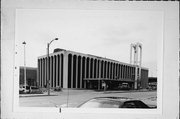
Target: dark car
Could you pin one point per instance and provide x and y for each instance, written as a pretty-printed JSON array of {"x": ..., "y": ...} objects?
[
  {"x": 124, "y": 86},
  {"x": 113, "y": 102}
]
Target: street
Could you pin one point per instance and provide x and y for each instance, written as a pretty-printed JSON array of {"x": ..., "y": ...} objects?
[{"x": 73, "y": 97}]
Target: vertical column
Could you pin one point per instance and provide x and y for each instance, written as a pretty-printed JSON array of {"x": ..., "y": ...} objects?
[
  {"x": 122, "y": 71},
  {"x": 135, "y": 83},
  {"x": 45, "y": 73},
  {"x": 57, "y": 70},
  {"x": 140, "y": 60},
  {"x": 117, "y": 71},
  {"x": 50, "y": 74},
  {"x": 131, "y": 48},
  {"x": 54, "y": 70},
  {"x": 136, "y": 71},
  {"x": 134, "y": 54},
  {"x": 102, "y": 69},
  {"x": 65, "y": 70},
  {"x": 96, "y": 68},
  {"x": 40, "y": 73},
  {"x": 76, "y": 71},
  {"x": 119, "y": 76},
  {"x": 99, "y": 75},
  {"x": 127, "y": 72},
  {"x": 89, "y": 68},
  {"x": 72, "y": 71},
  {"x": 112, "y": 70},
  {"x": 109, "y": 70},
  {"x": 42, "y": 79},
  {"x": 81, "y": 72},
  {"x": 60, "y": 64},
  {"x": 93, "y": 68},
  {"x": 131, "y": 73},
  {"x": 106, "y": 69},
  {"x": 85, "y": 60}
]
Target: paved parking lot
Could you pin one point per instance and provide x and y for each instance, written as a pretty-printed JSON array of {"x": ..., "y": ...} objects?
[{"x": 73, "y": 98}]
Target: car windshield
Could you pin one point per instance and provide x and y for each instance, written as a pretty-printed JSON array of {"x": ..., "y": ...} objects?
[{"x": 101, "y": 103}]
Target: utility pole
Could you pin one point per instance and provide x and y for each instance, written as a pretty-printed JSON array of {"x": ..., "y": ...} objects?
[
  {"x": 48, "y": 65},
  {"x": 24, "y": 43}
]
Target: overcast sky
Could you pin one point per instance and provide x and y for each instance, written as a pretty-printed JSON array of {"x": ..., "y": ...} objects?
[{"x": 105, "y": 33}]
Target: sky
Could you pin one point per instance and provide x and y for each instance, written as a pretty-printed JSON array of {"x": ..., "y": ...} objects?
[{"x": 104, "y": 33}]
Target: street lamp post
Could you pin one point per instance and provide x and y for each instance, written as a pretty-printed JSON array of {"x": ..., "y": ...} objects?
[
  {"x": 24, "y": 43},
  {"x": 48, "y": 64}
]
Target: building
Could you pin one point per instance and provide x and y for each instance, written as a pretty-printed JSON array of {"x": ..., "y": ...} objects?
[
  {"x": 31, "y": 76},
  {"x": 70, "y": 69},
  {"x": 152, "y": 83}
]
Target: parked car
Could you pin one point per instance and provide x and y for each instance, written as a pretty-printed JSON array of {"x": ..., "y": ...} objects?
[
  {"x": 114, "y": 102},
  {"x": 124, "y": 86}
]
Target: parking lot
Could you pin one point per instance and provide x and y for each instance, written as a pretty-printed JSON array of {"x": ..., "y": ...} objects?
[{"x": 73, "y": 98}]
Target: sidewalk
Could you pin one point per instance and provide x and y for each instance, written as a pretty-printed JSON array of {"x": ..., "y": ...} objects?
[
  {"x": 36, "y": 95},
  {"x": 128, "y": 91},
  {"x": 74, "y": 91}
]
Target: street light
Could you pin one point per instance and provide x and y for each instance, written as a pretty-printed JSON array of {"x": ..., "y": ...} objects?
[
  {"x": 48, "y": 63},
  {"x": 24, "y": 43}
]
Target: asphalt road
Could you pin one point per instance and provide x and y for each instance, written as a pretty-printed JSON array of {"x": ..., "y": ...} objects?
[{"x": 72, "y": 98}]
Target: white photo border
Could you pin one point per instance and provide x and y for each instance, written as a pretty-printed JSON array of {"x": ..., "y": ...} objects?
[{"x": 14, "y": 111}]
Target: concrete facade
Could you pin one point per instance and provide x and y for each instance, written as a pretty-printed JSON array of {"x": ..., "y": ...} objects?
[{"x": 70, "y": 69}]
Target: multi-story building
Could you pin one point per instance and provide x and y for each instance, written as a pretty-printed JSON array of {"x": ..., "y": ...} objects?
[{"x": 68, "y": 69}]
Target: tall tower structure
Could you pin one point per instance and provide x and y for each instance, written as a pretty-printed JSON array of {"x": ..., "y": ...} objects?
[{"x": 136, "y": 60}]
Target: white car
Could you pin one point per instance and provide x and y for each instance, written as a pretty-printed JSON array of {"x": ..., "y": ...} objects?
[{"x": 114, "y": 102}]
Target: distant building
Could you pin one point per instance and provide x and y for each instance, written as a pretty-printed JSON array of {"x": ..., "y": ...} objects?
[
  {"x": 70, "y": 69},
  {"x": 31, "y": 76},
  {"x": 152, "y": 80}
]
